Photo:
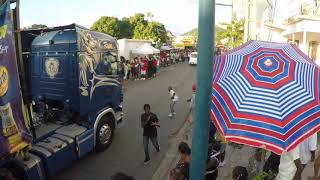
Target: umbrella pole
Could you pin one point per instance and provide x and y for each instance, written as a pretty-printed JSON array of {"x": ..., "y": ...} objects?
[{"x": 203, "y": 82}]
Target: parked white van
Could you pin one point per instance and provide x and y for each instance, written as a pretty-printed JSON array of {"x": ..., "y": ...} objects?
[{"x": 193, "y": 58}]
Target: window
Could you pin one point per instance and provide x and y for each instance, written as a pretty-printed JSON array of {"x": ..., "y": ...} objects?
[
  {"x": 108, "y": 64},
  {"x": 313, "y": 49},
  {"x": 193, "y": 55}
]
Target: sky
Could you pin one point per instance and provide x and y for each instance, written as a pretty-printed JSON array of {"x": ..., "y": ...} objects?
[{"x": 178, "y": 16}]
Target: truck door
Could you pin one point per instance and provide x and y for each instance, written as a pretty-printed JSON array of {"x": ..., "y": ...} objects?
[{"x": 104, "y": 84}]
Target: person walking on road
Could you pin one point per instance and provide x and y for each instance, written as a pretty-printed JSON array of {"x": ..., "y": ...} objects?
[
  {"x": 149, "y": 123},
  {"x": 173, "y": 100}
]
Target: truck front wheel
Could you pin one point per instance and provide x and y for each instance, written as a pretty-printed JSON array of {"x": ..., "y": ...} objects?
[{"x": 104, "y": 133}]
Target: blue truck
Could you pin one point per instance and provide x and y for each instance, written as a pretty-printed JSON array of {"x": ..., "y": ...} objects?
[{"x": 71, "y": 96}]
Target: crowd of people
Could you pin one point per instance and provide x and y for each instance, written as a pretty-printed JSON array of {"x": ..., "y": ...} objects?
[
  {"x": 287, "y": 166},
  {"x": 148, "y": 66}
]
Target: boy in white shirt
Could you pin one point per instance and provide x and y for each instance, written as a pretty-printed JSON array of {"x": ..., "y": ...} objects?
[
  {"x": 290, "y": 166},
  {"x": 174, "y": 98}
]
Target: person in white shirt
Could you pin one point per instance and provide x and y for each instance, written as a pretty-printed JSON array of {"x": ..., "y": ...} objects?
[
  {"x": 174, "y": 98},
  {"x": 290, "y": 166},
  {"x": 308, "y": 149},
  {"x": 189, "y": 117}
]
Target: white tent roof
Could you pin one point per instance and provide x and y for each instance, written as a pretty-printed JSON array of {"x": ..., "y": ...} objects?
[
  {"x": 145, "y": 49},
  {"x": 165, "y": 48}
]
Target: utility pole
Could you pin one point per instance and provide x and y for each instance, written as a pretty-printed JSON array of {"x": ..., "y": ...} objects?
[
  {"x": 250, "y": 28},
  {"x": 204, "y": 70}
]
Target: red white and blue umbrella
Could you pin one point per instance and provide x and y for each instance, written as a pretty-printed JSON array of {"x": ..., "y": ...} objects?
[{"x": 267, "y": 94}]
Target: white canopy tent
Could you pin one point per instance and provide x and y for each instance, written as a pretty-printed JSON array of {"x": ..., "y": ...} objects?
[
  {"x": 145, "y": 49},
  {"x": 165, "y": 48}
]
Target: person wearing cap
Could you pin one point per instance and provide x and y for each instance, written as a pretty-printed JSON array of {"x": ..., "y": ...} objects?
[{"x": 181, "y": 171}]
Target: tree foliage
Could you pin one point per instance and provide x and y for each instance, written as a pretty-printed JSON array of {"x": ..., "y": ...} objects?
[
  {"x": 126, "y": 28},
  {"x": 233, "y": 33},
  {"x": 133, "y": 27},
  {"x": 37, "y": 26},
  {"x": 108, "y": 25}
]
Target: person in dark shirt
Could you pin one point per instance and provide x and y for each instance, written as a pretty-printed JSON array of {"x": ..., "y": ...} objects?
[
  {"x": 272, "y": 164},
  {"x": 149, "y": 123},
  {"x": 239, "y": 173},
  {"x": 213, "y": 161},
  {"x": 181, "y": 171}
]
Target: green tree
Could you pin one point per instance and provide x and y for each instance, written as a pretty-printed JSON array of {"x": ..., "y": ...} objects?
[
  {"x": 139, "y": 25},
  {"x": 126, "y": 28},
  {"x": 108, "y": 25},
  {"x": 37, "y": 26},
  {"x": 137, "y": 19},
  {"x": 135, "y": 27},
  {"x": 150, "y": 16},
  {"x": 233, "y": 33},
  {"x": 155, "y": 31},
  {"x": 143, "y": 29}
]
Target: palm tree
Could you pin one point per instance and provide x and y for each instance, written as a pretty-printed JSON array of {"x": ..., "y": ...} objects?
[{"x": 233, "y": 33}]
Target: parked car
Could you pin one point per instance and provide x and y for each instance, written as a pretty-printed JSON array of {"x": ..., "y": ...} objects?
[{"x": 193, "y": 58}]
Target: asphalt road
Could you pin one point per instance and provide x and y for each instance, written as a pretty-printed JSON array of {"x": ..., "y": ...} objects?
[{"x": 126, "y": 151}]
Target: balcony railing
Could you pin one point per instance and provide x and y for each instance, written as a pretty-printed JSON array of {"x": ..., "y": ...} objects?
[{"x": 310, "y": 10}]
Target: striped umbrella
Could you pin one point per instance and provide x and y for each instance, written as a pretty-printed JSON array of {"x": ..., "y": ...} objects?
[{"x": 265, "y": 94}]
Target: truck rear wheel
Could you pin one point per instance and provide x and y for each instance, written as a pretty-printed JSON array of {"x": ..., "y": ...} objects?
[{"x": 104, "y": 133}]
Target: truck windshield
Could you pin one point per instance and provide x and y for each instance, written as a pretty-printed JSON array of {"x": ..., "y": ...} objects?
[
  {"x": 193, "y": 55},
  {"x": 109, "y": 64}
]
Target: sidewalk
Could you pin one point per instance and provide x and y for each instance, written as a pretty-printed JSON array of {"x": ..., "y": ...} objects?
[{"x": 234, "y": 157}]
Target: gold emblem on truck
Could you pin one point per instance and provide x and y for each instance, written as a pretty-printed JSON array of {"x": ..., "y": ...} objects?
[
  {"x": 52, "y": 67},
  {"x": 108, "y": 46},
  {"x": 4, "y": 80}
]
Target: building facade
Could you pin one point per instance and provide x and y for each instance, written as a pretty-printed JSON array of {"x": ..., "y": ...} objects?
[{"x": 292, "y": 21}]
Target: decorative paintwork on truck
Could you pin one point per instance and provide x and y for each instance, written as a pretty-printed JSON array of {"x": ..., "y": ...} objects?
[
  {"x": 14, "y": 134},
  {"x": 91, "y": 45}
]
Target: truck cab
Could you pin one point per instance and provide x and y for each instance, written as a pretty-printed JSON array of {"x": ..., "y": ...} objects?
[{"x": 76, "y": 96}]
